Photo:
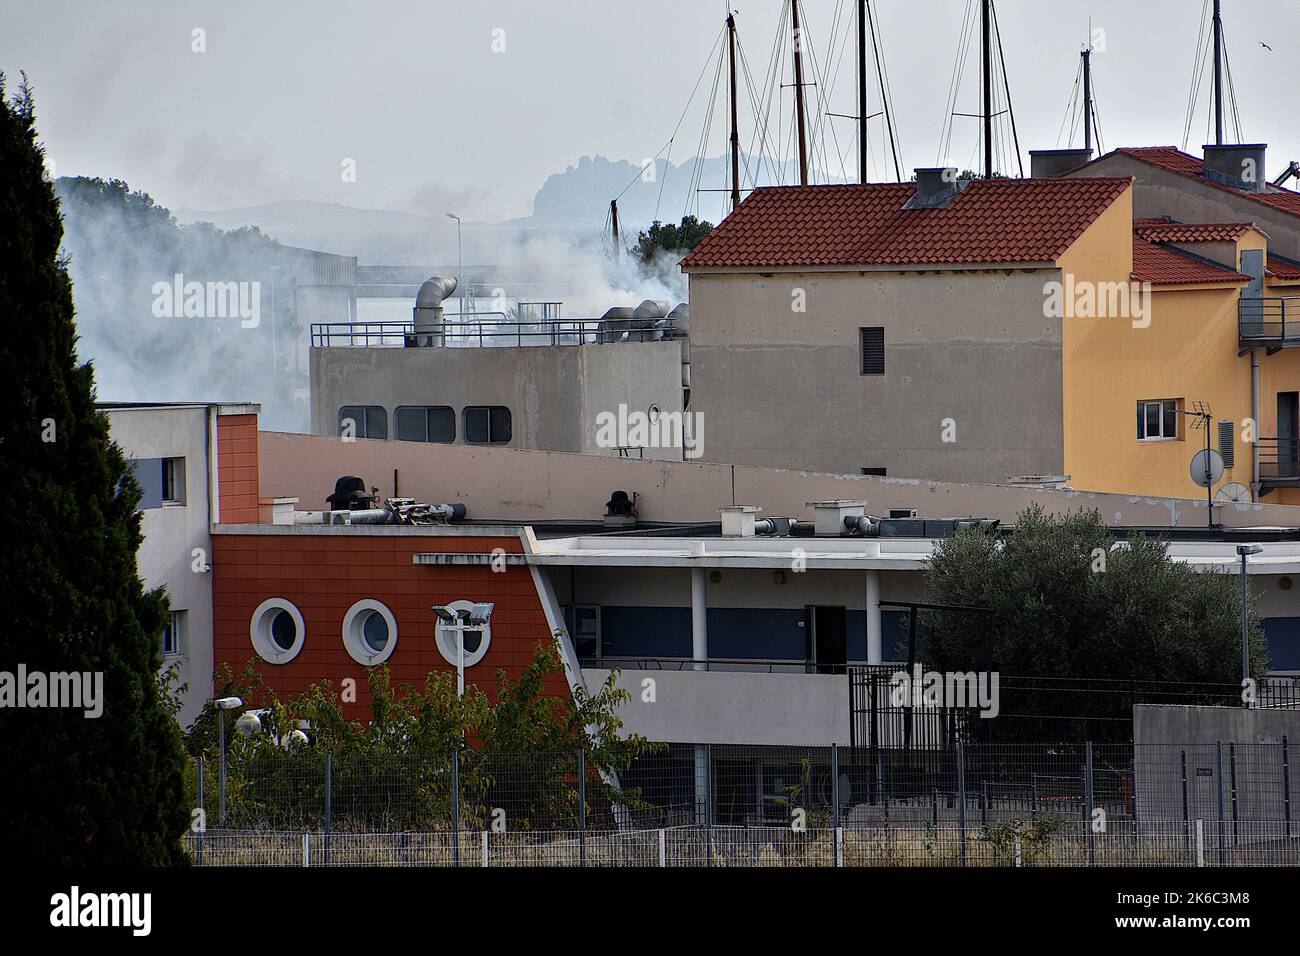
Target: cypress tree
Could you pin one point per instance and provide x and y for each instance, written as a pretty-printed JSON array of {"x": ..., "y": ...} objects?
[{"x": 77, "y": 789}]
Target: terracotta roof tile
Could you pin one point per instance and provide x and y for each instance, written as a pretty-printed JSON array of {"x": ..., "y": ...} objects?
[
  {"x": 1191, "y": 231},
  {"x": 1163, "y": 266},
  {"x": 997, "y": 220},
  {"x": 1283, "y": 268},
  {"x": 1176, "y": 161}
]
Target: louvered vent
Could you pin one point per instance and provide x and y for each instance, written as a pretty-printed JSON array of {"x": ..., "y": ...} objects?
[
  {"x": 872, "y": 343},
  {"x": 1227, "y": 443}
]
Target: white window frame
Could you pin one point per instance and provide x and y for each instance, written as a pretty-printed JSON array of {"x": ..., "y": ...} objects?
[
  {"x": 259, "y": 630},
  {"x": 354, "y": 638},
  {"x": 445, "y": 638},
  {"x": 177, "y": 627},
  {"x": 174, "y": 475},
  {"x": 1162, "y": 402}
]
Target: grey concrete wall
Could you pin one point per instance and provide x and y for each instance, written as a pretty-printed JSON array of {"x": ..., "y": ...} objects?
[
  {"x": 1159, "y": 192},
  {"x": 1233, "y": 755},
  {"x": 510, "y": 484},
  {"x": 172, "y": 532},
  {"x": 554, "y": 393},
  {"x": 783, "y": 388},
  {"x": 718, "y": 707}
]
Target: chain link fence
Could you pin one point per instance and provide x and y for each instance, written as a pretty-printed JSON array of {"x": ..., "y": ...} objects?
[{"x": 700, "y": 805}]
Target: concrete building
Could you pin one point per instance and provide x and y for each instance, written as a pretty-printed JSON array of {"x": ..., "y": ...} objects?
[{"x": 172, "y": 450}]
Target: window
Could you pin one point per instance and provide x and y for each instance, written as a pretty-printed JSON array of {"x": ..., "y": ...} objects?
[
  {"x": 369, "y": 633},
  {"x": 584, "y": 630},
  {"x": 487, "y": 424},
  {"x": 173, "y": 481},
  {"x": 173, "y": 636},
  {"x": 368, "y": 421},
  {"x": 277, "y": 631},
  {"x": 878, "y": 472},
  {"x": 1157, "y": 420},
  {"x": 476, "y": 639},
  {"x": 871, "y": 343},
  {"x": 435, "y": 423}
]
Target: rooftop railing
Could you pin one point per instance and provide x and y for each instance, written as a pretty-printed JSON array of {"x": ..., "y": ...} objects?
[
  {"x": 1279, "y": 460},
  {"x": 1272, "y": 320},
  {"x": 491, "y": 333}
]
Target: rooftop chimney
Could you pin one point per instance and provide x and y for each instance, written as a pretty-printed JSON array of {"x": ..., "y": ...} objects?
[
  {"x": 1050, "y": 163},
  {"x": 1239, "y": 165},
  {"x": 428, "y": 315},
  {"x": 935, "y": 187}
]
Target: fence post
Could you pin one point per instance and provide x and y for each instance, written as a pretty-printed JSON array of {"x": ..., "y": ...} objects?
[
  {"x": 961, "y": 796},
  {"x": 663, "y": 848},
  {"x": 455, "y": 807},
  {"x": 1218, "y": 781},
  {"x": 984, "y": 801},
  {"x": 1232, "y": 770},
  {"x": 839, "y": 846},
  {"x": 329, "y": 795},
  {"x": 485, "y": 848},
  {"x": 880, "y": 781},
  {"x": 306, "y": 848},
  {"x": 1088, "y": 805},
  {"x": 1186, "y": 817},
  {"x": 835, "y": 785},
  {"x": 203, "y": 815},
  {"x": 1286, "y": 783},
  {"x": 582, "y": 806},
  {"x": 1200, "y": 842}
]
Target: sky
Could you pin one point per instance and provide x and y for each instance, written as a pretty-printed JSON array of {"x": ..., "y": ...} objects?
[{"x": 469, "y": 106}]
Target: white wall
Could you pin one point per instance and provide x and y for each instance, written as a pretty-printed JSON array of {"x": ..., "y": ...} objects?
[{"x": 172, "y": 532}]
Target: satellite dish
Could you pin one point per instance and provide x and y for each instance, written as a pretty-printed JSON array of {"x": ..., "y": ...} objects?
[
  {"x": 1233, "y": 491},
  {"x": 1198, "y": 469}
]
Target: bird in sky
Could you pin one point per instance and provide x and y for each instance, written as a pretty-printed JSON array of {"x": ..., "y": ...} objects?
[{"x": 1266, "y": 46}]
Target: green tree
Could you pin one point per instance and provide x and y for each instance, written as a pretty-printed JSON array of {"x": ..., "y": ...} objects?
[
  {"x": 668, "y": 239},
  {"x": 518, "y": 747},
  {"x": 78, "y": 790},
  {"x": 1070, "y": 601}
]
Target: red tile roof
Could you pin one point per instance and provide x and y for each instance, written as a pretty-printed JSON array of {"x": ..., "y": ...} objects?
[
  {"x": 1163, "y": 266},
  {"x": 996, "y": 220},
  {"x": 1176, "y": 161},
  {"x": 1163, "y": 231},
  {"x": 1283, "y": 268}
]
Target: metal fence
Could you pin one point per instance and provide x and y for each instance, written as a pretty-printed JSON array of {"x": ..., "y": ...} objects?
[{"x": 702, "y": 805}]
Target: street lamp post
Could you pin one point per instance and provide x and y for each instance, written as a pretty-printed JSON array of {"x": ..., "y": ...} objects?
[
  {"x": 224, "y": 704},
  {"x": 460, "y": 266},
  {"x": 1245, "y": 550},
  {"x": 460, "y": 620}
]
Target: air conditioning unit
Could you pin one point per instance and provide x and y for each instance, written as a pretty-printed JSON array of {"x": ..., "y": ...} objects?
[{"x": 901, "y": 513}]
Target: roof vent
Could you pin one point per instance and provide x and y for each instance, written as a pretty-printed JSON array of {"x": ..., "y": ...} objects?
[
  {"x": 1239, "y": 165},
  {"x": 1050, "y": 163},
  {"x": 350, "y": 494},
  {"x": 427, "y": 315},
  {"x": 936, "y": 186},
  {"x": 620, "y": 510},
  {"x": 738, "y": 521},
  {"x": 829, "y": 516}
]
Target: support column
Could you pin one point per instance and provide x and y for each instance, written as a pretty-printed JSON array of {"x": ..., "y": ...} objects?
[
  {"x": 700, "y": 653},
  {"x": 875, "y": 653},
  {"x": 699, "y": 618}
]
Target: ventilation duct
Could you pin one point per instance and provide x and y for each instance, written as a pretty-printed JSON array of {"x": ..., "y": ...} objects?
[{"x": 428, "y": 314}]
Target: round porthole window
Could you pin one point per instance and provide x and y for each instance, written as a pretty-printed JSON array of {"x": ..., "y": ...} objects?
[
  {"x": 369, "y": 632},
  {"x": 476, "y": 639},
  {"x": 277, "y": 631}
]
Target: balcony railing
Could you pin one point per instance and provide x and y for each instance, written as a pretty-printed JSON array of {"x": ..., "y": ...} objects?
[
  {"x": 491, "y": 333},
  {"x": 1279, "y": 461},
  {"x": 1273, "y": 321}
]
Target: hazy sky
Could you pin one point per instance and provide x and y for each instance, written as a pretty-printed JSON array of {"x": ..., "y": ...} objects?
[{"x": 436, "y": 119}]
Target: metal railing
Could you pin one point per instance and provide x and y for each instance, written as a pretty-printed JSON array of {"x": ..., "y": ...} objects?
[
  {"x": 1279, "y": 459},
  {"x": 480, "y": 333},
  {"x": 1269, "y": 319},
  {"x": 749, "y": 665}
]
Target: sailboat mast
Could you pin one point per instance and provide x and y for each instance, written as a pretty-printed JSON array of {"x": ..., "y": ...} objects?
[
  {"x": 862, "y": 91},
  {"x": 986, "y": 68},
  {"x": 1218, "y": 75},
  {"x": 735, "y": 130},
  {"x": 1087, "y": 100},
  {"x": 798, "y": 93}
]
